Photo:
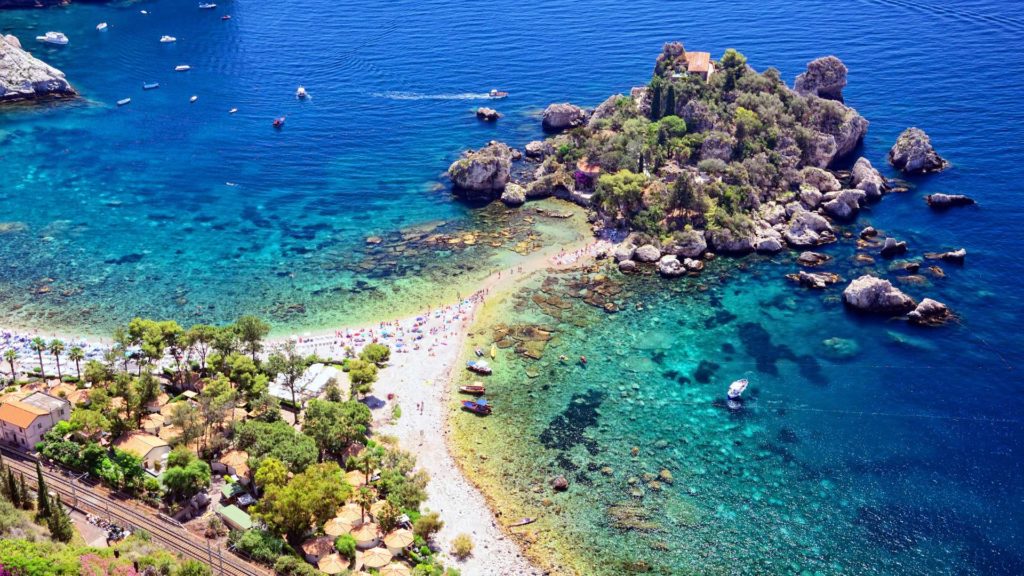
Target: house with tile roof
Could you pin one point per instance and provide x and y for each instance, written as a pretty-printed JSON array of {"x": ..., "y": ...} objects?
[
  {"x": 151, "y": 449},
  {"x": 24, "y": 421}
]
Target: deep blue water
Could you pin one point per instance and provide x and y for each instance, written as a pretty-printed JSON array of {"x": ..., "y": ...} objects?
[{"x": 394, "y": 85}]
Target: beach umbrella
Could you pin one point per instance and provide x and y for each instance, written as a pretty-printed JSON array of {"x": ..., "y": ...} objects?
[
  {"x": 376, "y": 507},
  {"x": 332, "y": 564},
  {"x": 376, "y": 558},
  {"x": 395, "y": 569},
  {"x": 366, "y": 535},
  {"x": 351, "y": 512},
  {"x": 397, "y": 540},
  {"x": 340, "y": 525}
]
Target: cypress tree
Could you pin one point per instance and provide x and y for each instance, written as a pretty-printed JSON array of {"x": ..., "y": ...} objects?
[
  {"x": 42, "y": 494},
  {"x": 12, "y": 489},
  {"x": 26, "y": 502},
  {"x": 670, "y": 101},
  {"x": 59, "y": 522},
  {"x": 4, "y": 489},
  {"x": 656, "y": 102}
]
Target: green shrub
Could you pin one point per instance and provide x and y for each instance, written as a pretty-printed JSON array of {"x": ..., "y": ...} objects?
[
  {"x": 346, "y": 546},
  {"x": 260, "y": 545},
  {"x": 427, "y": 525},
  {"x": 292, "y": 566},
  {"x": 462, "y": 546}
]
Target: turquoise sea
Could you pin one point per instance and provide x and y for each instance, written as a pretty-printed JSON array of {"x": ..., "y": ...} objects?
[{"x": 903, "y": 458}]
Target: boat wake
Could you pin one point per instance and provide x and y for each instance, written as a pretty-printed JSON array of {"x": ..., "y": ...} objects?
[{"x": 418, "y": 96}]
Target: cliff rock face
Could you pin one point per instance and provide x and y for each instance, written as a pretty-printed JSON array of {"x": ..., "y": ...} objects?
[
  {"x": 825, "y": 78},
  {"x": 838, "y": 131},
  {"x": 558, "y": 117},
  {"x": 24, "y": 77},
  {"x": 484, "y": 172},
  {"x": 874, "y": 295},
  {"x": 913, "y": 153}
]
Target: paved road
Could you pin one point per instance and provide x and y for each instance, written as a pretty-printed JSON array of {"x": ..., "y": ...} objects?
[{"x": 100, "y": 502}]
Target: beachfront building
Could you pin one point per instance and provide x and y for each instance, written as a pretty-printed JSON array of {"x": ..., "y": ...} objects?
[
  {"x": 23, "y": 422},
  {"x": 310, "y": 384},
  {"x": 699, "y": 64},
  {"x": 151, "y": 449},
  {"x": 234, "y": 517}
]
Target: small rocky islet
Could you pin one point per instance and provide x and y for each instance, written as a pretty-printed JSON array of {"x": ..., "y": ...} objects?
[
  {"x": 24, "y": 77},
  {"x": 721, "y": 161}
]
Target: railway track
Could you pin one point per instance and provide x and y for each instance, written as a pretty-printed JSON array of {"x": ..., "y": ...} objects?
[{"x": 99, "y": 502}]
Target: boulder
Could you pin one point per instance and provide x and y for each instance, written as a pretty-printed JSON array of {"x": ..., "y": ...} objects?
[
  {"x": 837, "y": 132},
  {"x": 893, "y": 247},
  {"x": 558, "y": 117},
  {"x": 604, "y": 110},
  {"x": 554, "y": 184},
  {"x": 24, "y": 77},
  {"x": 868, "y": 232},
  {"x": 929, "y": 313},
  {"x": 627, "y": 266},
  {"x": 877, "y": 296},
  {"x": 484, "y": 172},
  {"x": 514, "y": 195},
  {"x": 811, "y": 259},
  {"x": 913, "y": 153},
  {"x": 725, "y": 241},
  {"x": 825, "y": 78},
  {"x": 817, "y": 281},
  {"x": 810, "y": 196},
  {"x": 865, "y": 177},
  {"x": 955, "y": 256},
  {"x": 559, "y": 484},
  {"x": 686, "y": 243},
  {"x": 487, "y": 114},
  {"x": 806, "y": 229},
  {"x": 647, "y": 253},
  {"x": 844, "y": 204},
  {"x": 693, "y": 265},
  {"x": 670, "y": 266},
  {"x": 940, "y": 201},
  {"x": 822, "y": 180},
  {"x": 539, "y": 149},
  {"x": 624, "y": 251},
  {"x": 768, "y": 244}
]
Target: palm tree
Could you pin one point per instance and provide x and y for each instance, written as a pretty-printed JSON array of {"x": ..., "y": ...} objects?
[
  {"x": 57, "y": 348},
  {"x": 369, "y": 459},
  {"x": 38, "y": 345},
  {"x": 76, "y": 355},
  {"x": 10, "y": 355},
  {"x": 365, "y": 499}
]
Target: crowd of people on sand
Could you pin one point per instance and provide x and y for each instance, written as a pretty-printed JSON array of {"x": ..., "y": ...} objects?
[
  {"x": 22, "y": 344},
  {"x": 564, "y": 258}
]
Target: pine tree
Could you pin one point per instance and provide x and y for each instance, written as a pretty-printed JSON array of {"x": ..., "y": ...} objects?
[
  {"x": 26, "y": 502},
  {"x": 42, "y": 494},
  {"x": 12, "y": 489},
  {"x": 59, "y": 522}
]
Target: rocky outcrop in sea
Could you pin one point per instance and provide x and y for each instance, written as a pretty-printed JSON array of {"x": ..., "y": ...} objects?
[
  {"x": 913, "y": 153},
  {"x": 24, "y": 77}
]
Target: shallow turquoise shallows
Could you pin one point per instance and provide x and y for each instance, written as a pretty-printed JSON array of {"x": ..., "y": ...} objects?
[{"x": 904, "y": 459}]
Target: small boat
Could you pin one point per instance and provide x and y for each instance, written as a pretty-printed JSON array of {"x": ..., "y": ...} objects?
[
  {"x": 193, "y": 99},
  {"x": 207, "y": 6},
  {"x": 494, "y": 351},
  {"x": 522, "y": 522},
  {"x": 479, "y": 366},
  {"x": 168, "y": 39},
  {"x": 478, "y": 351},
  {"x": 475, "y": 388},
  {"x": 480, "y": 406},
  {"x": 57, "y": 38},
  {"x": 583, "y": 360},
  {"x": 736, "y": 388},
  {"x": 124, "y": 101},
  {"x": 301, "y": 93},
  {"x": 497, "y": 94},
  {"x": 233, "y": 110},
  {"x": 101, "y": 26},
  {"x": 226, "y": 17},
  {"x": 182, "y": 68},
  {"x": 143, "y": 12},
  {"x": 150, "y": 85},
  {"x": 279, "y": 122}
]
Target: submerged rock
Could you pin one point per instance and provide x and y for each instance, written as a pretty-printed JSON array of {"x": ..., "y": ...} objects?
[
  {"x": 955, "y": 256},
  {"x": 825, "y": 77},
  {"x": 929, "y": 313},
  {"x": 913, "y": 153},
  {"x": 840, "y": 348},
  {"x": 24, "y": 77},
  {"x": 818, "y": 281},
  {"x": 810, "y": 259},
  {"x": 875, "y": 295},
  {"x": 940, "y": 201},
  {"x": 558, "y": 117},
  {"x": 893, "y": 247}
]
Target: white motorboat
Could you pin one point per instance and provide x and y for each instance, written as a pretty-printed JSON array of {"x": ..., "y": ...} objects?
[
  {"x": 207, "y": 6},
  {"x": 301, "y": 93},
  {"x": 143, "y": 12},
  {"x": 57, "y": 38},
  {"x": 479, "y": 366},
  {"x": 182, "y": 68},
  {"x": 736, "y": 389},
  {"x": 168, "y": 39},
  {"x": 233, "y": 110},
  {"x": 101, "y": 26},
  {"x": 193, "y": 99}
]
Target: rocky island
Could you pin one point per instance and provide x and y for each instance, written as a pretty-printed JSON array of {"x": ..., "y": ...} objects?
[
  {"x": 712, "y": 158},
  {"x": 24, "y": 77}
]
